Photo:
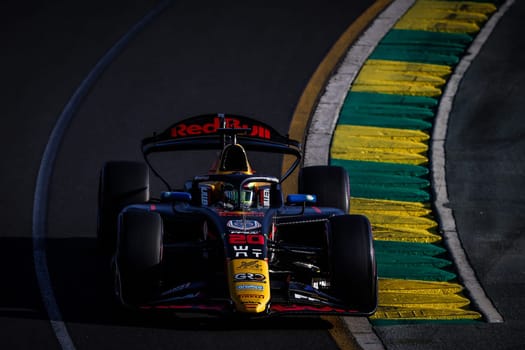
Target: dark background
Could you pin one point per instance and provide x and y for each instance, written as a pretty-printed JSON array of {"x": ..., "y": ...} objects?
[{"x": 195, "y": 57}]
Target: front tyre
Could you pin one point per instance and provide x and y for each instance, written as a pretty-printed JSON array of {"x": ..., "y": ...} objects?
[
  {"x": 139, "y": 255},
  {"x": 354, "y": 271}
]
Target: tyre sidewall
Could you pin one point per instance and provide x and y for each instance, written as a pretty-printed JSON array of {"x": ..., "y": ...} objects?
[
  {"x": 354, "y": 271},
  {"x": 139, "y": 255}
]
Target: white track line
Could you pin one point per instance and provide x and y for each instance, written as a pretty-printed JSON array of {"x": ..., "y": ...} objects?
[
  {"x": 439, "y": 183},
  {"x": 41, "y": 196}
]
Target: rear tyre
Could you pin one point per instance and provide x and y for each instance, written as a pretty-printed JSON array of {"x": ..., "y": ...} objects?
[
  {"x": 330, "y": 184},
  {"x": 121, "y": 184},
  {"x": 354, "y": 271},
  {"x": 139, "y": 255}
]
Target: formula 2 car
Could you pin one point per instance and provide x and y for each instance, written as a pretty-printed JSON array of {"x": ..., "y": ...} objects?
[{"x": 228, "y": 241}]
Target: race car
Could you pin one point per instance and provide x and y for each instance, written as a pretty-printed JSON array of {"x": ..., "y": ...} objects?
[{"x": 227, "y": 241}]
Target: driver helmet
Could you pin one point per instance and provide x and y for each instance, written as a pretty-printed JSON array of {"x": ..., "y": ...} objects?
[
  {"x": 230, "y": 196},
  {"x": 246, "y": 198}
]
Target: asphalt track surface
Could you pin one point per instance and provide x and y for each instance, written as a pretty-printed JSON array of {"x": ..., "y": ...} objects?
[
  {"x": 232, "y": 58},
  {"x": 196, "y": 57}
]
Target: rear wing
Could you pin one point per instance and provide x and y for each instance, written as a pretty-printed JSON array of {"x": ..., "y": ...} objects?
[{"x": 214, "y": 131}]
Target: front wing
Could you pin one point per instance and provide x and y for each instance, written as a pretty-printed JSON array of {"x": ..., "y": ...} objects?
[{"x": 300, "y": 299}]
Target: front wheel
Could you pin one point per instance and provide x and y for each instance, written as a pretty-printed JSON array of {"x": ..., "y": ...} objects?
[
  {"x": 139, "y": 255},
  {"x": 354, "y": 270}
]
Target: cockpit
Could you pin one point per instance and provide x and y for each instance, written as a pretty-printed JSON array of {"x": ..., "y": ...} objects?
[{"x": 245, "y": 195}]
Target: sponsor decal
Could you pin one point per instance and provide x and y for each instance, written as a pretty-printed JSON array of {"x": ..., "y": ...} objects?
[
  {"x": 240, "y": 251},
  {"x": 266, "y": 197},
  {"x": 239, "y": 238},
  {"x": 251, "y": 296},
  {"x": 188, "y": 130},
  {"x": 246, "y": 246},
  {"x": 244, "y": 251},
  {"x": 204, "y": 196},
  {"x": 250, "y": 277},
  {"x": 256, "y": 252},
  {"x": 249, "y": 287},
  {"x": 243, "y": 225},
  {"x": 248, "y": 265}
]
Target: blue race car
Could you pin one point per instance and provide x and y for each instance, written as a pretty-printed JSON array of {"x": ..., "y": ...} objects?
[{"x": 228, "y": 241}]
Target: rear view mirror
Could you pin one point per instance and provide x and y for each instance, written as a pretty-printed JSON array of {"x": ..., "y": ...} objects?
[
  {"x": 301, "y": 198},
  {"x": 176, "y": 196}
]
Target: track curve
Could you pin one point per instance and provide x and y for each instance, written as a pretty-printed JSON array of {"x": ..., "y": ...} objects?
[
  {"x": 51, "y": 47},
  {"x": 193, "y": 59}
]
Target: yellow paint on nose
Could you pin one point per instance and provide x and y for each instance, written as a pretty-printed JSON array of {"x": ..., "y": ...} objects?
[{"x": 249, "y": 283}]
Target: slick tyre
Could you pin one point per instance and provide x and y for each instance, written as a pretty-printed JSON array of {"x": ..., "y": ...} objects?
[
  {"x": 330, "y": 184},
  {"x": 354, "y": 271},
  {"x": 139, "y": 255},
  {"x": 120, "y": 184}
]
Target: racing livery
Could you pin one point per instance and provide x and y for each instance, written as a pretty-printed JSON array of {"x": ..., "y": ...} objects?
[{"x": 228, "y": 241}]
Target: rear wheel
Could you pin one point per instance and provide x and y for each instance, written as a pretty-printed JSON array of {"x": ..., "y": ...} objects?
[
  {"x": 121, "y": 183},
  {"x": 329, "y": 183},
  {"x": 354, "y": 271},
  {"x": 139, "y": 255}
]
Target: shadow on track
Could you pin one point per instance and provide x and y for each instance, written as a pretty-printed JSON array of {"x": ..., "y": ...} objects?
[{"x": 19, "y": 295}]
